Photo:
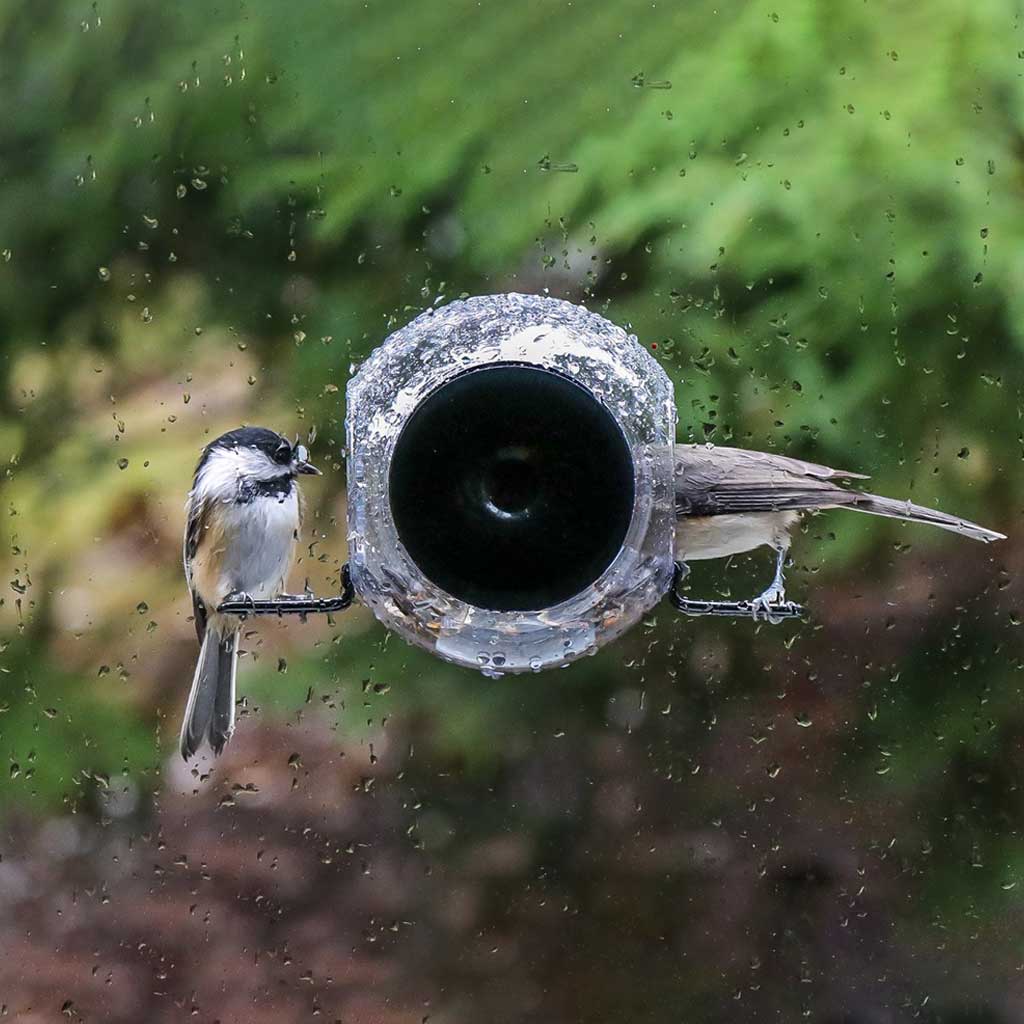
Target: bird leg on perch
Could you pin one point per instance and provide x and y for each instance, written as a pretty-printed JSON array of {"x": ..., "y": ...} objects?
[
  {"x": 731, "y": 609},
  {"x": 292, "y": 604}
]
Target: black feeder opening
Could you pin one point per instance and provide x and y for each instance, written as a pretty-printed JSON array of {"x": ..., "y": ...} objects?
[{"x": 512, "y": 487}]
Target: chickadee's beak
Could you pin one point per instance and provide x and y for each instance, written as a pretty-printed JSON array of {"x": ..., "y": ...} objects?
[{"x": 307, "y": 468}]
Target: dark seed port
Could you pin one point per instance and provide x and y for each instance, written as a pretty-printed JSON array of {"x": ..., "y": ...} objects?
[{"x": 512, "y": 487}]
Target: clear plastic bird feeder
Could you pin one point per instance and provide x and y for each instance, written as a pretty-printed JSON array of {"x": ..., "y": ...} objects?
[{"x": 510, "y": 482}]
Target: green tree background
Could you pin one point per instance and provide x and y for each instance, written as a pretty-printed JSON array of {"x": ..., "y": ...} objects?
[{"x": 812, "y": 212}]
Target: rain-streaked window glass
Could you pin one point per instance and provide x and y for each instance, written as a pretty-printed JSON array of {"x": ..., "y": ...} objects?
[{"x": 441, "y": 578}]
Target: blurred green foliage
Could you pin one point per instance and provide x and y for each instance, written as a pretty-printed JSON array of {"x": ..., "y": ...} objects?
[
  {"x": 812, "y": 211},
  {"x": 808, "y": 208}
]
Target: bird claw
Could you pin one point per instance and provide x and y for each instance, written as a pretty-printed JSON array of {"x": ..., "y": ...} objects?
[
  {"x": 292, "y": 604},
  {"x": 769, "y": 605},
  {"x": 772, "y": 604}
]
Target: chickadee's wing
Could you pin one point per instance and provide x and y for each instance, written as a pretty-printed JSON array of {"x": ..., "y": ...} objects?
[
  {"x": 197, "y": 511},
  {"x": 713, "y": 481},
  {"x": 199, "y": 615},
  {"x": 710, "y": 480}
]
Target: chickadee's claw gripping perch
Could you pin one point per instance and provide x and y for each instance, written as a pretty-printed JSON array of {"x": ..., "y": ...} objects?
[
  {"x": 292, "y": 604},
  {"x": 730, "y": 609}
]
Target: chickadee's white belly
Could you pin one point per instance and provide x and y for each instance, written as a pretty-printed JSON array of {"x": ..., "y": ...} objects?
[
  {"x": 259, "y": 543},
  {"x": 699, "y": 537}
]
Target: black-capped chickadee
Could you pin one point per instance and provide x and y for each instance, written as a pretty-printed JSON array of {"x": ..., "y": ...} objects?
[
  {"x": 729, "y": 501},
  {"x": 243, "y": 517}
]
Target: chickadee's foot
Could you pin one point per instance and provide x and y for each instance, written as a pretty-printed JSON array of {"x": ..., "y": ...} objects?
[
  {"x": 730, "y": 609},
  {"x": 769, "y": 604},
  {"x": 292, "y": 604}
]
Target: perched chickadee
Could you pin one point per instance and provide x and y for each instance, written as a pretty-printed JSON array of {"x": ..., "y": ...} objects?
[
  {"x": 243, "y": 517},
  {"x": 729, "y": 500}
]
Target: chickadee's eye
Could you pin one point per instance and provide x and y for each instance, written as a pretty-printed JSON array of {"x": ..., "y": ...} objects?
[{"x": 283, "y": 454}]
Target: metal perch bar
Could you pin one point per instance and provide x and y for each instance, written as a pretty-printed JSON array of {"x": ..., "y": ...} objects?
[
  {"x": 731, "y": 609},
  {"x": 293, "y": 604}
]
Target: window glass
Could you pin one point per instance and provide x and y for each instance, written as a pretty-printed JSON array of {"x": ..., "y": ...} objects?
[{"x": 810, "y": 215}]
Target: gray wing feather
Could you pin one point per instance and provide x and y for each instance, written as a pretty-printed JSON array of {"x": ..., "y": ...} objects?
[
  {"x": 195, "y": 522},
  {"x": 712, "y": 480}
]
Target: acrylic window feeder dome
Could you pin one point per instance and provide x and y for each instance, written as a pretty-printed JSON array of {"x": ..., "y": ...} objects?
[{"x": 510, "y": 502}]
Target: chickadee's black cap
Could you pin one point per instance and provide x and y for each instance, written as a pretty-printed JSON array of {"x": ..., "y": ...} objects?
[{"x": 250, "y": 437}]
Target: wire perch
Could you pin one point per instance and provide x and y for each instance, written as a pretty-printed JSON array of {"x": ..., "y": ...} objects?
[
  {"x": 293, "y": 604},
  {"x": 730, "y": 609},
  {"x": 307, "y": 604}
]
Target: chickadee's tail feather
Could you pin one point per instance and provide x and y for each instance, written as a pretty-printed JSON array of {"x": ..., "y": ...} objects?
[
  {"x": 878, "y": 506},
  {"x": 210, "y": 712}
]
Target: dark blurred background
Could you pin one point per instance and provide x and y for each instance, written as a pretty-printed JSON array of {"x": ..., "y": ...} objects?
[{"x": 813, "y": 213}]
